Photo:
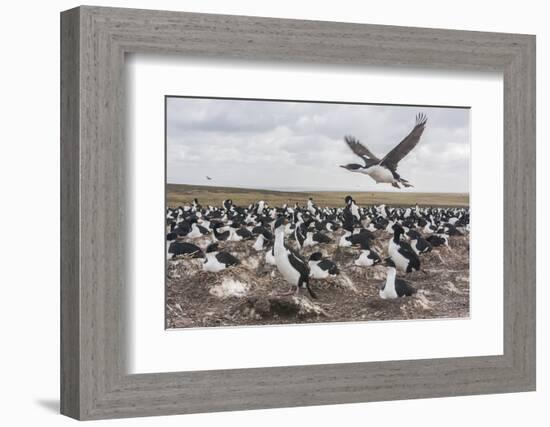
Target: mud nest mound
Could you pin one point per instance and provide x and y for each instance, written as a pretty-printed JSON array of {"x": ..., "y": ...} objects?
[{"x": 253, "y": 292}]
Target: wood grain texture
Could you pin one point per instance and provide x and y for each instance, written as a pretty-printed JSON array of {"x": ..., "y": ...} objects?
[
  {"x": 70, "y": 291},
  {"x": 94, "y": 173}
]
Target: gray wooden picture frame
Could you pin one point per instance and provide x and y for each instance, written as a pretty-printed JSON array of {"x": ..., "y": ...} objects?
[{"x": 94, "y": 381}]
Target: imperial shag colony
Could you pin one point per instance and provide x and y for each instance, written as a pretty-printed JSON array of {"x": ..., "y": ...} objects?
[{"x": 296, "y": 240}]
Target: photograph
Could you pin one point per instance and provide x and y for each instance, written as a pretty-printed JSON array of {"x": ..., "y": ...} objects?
[
  {"x": 301, "y": 212},
  {"x": 267, "y": 210}
]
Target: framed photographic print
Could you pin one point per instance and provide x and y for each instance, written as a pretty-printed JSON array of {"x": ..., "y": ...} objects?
[
  {"x": 257, "y": 202},
  {"x": 261, "y": 213}
]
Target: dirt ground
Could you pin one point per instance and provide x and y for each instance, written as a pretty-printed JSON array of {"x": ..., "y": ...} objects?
[{"x": 249, "y": 294}]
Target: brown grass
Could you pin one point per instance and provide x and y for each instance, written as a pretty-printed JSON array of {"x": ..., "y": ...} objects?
[{"x": 179, "y": 194}]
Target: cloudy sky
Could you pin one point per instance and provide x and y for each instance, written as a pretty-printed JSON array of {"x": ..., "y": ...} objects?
[{"x": 299, "y": 146}]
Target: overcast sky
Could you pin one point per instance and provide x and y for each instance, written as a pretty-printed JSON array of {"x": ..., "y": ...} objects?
[{"x": 299, "y": 146}]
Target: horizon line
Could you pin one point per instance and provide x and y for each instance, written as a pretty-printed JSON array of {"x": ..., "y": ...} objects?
[{"x": 305, "y": 190}]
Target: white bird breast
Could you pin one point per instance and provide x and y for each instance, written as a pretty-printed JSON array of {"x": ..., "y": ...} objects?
[
  {"x": 316, "y": 272},
  {"x": 389, "y": 290},
  {"x": 259, "y": 243},
  {"x": 379, "y": 173},
  {"x": 195, "y": 232},
  {"x": 309, "y": 240},
  {"x": 281, "y": 259},
  {"x": 343, "y": 241},
  {"x": 234, "y": 237},
  {"x": 364, "y": 260},
  {"x": 269, "y": 258},
  {"x": 400, "y": 261},
  {"x": 212, "y": 264},
  {"x": 285, "y": 267}
]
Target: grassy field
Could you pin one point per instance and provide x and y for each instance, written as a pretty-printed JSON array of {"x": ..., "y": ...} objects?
[{"x": 179, "y": 194}]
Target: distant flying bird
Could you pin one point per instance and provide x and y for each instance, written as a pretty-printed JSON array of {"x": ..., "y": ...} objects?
[
  {"x": 385, "y": 170},
  {"x": 208, "y": 178}
]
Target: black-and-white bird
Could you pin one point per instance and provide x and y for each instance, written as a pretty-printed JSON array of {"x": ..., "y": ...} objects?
[
  {"x": 264, "y": 236},
  {"x": 413, "y": 234},
  {"x": 353, "y": 208},
  {"x": 420, "y": 245},
  {"x": 438, "y": 240},
  {"x": 220, "y": 235},
  {"x": 393, "y": 287},
  {"x": 239, "y": 233},
  {"x": 385, "y": 170},
  {"x": 315, "y": 238},
  {"x": 228, "y": 205},
  {"x": 217, "y": 261},
  {"x": 449, "y": 230},
  {"x": 368, "y": 257},
  {"x": 401, "y": 252},
  {"x": 196, "y": 205},
  {"x": 196, "y": 230},
  {"x": 321, "y": 268},
  {"x": 355, "y": 237},
  {"x": 312, "y": 209},
  {"x": 259, "y": 208},
  {"x": 300, "y": 232},
  {"x": 292, "y": 266},
  {"x": 185, "y": 249}
]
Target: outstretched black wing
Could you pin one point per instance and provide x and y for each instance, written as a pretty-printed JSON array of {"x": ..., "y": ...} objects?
[
  {"x": 361, "y": 151},
  {"x": 298, "y": 263},
  {"x": 404, "y": 147}
]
